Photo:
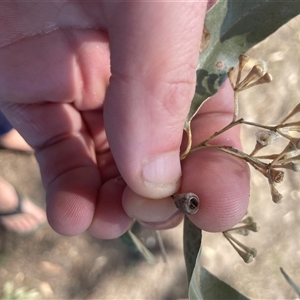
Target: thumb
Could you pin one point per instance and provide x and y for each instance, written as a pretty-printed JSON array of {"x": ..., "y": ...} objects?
[{"x": 154, "y": 54}]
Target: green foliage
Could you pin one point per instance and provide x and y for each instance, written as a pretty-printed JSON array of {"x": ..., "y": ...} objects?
[
  {"x": 213, "y": 288},
  {"x": 191, "y": 246},
  {"x": 202, "y": 284},
  {"x": 233, "y": 27}
]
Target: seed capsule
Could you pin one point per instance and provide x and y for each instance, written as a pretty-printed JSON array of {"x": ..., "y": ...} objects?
[{"x": 187, "y": 202}]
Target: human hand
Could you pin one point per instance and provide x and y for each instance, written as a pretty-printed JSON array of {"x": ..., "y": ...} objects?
[{"x": 54, "y": 86}]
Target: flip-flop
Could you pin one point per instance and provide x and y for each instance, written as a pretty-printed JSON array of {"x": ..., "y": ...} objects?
[{"x": 17, "y": 211}]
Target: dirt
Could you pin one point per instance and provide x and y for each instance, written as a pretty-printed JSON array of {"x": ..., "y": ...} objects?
[{"x": 83, "y": 267}]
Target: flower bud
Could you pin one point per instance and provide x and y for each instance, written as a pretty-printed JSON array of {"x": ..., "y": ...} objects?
[
  {"x": 276, "y": 175},
  {"x": 187, "y": 202},
  {"x": 276, "y": 196},
  {"x": 266, "y": 137},
  {"x": 256, "y": 73}
]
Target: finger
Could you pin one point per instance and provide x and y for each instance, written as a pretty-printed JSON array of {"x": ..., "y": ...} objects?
[
  {"x": 154, "y": 53},
  {"x": 172, "y": 222},
  {"x": 110, "y": 220},
  {"x": 52, "y": 121},
  {"x": 222, "y": 184},
  {"x": 220, "y": 180},
  {"x": 66, "y": 156},
  {"x": 57, "y": 67},
  {"x": 148, "y": 210},
  {"x": 154, "y": 213}
]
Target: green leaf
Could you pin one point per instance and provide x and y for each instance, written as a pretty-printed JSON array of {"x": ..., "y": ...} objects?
[
  {"x": 127, "y": 240},
  {"x": 295, "y": 287},
  {"x": 202, "y": 284},
  {"x": 195, "y": 287},
  {"x": 233, "y": 28},
  {"x": 131, "y": 240},
  {"x": 214, "y": 288},
  {"x": 191, "y": 245}
]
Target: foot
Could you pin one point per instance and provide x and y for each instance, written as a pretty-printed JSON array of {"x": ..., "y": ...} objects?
[
  {"x": 13, "y": 140},
  {"x": 25, "y": 222}
]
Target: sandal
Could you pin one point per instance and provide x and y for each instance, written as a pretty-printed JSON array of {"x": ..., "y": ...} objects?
[{"x": 33, "y": 217}]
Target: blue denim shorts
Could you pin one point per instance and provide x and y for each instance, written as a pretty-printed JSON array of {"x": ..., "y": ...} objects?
[{"x": 5, "y": 126}]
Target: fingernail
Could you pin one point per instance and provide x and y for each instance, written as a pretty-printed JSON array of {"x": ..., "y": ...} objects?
[{"x": 163, "y": 172}]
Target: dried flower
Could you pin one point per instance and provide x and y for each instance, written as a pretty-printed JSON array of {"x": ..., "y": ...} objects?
[
  {"x": 230, "y": 75},
  {"x": 292, "y": 166},
  {"x": 266, "y": 137},
  {"x": 255, "y": 73},
  {"x": 276, "y": 196},
  {"x": 244, "y": 229},
  {"x": 187, "y": 202},
  {"x": 247, "y": 220},
  {"x": 246, "y": 253},
  {"x": 276, "y": 175},
  {"x": 243, "y": 59}
]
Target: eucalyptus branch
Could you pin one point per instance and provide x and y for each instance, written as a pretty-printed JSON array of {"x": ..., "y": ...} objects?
[
  {"x": 271, "y": 128},
  {"x": 265, "y": 136},
  {"x": 236, "y": 106},
  {"x": 229, "y": 126}
]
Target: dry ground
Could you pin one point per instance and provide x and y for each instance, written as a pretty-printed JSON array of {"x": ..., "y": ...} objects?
[{"x": 86, "y": 268}]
